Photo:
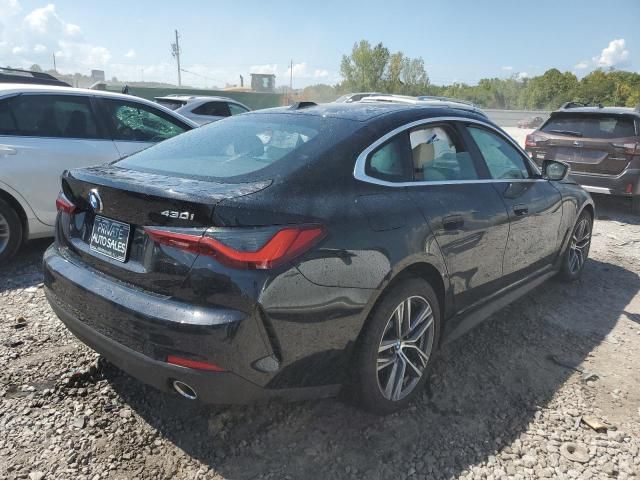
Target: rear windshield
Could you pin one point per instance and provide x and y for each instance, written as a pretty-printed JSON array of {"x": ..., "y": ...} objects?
[
  {"x": 241, "y": 145},
  {"x": 591, "y": 126},
  {"x": 171, "y": 104}
]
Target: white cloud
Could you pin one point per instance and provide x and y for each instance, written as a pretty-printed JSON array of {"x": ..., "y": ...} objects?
[
  {"x": 130, "y": 54},
  {"x": 299, "y": 70},
  {"x": 321, "y": 73},
  {"x": 39, "y": 48},
  {"x": 507, "y": 68},
  {"x": 614, "y": 55},
  {"x": 522, "y": 75},
  {"x": 267, "y": 69},
  {"x": 17, "y": 50},
  {"x": 581, "y": 65}
]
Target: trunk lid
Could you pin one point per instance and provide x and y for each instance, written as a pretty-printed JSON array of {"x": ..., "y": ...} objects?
[{"x": 126, "y": 198}]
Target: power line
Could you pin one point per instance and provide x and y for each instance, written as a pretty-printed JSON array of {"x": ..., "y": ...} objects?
[{"x": 175, "y": 51}]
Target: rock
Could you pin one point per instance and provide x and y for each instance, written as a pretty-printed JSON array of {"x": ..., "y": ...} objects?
[
  {"x": 125, "y": 413},
  {"x": 37, "y": 475},
  {"x": 79, "y": 422},
  {"x": 575, "y": 452}
]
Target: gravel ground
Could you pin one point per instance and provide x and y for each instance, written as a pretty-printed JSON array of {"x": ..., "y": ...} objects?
[{"x": 511, "y": 399}]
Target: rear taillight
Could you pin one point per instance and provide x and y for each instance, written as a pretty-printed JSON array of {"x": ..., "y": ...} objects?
[
  {"x": 630, "y": 148},
  {"x": 63, "y": 204},
  {"x": 532, "y": 140},
  {"x": 246, "y": 248}
]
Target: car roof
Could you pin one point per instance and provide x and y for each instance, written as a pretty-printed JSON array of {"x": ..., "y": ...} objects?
[
  {"x": 365, "y": 111},
  {"x": 17, "y": 88},
  {"x": 601, "y": 110},
  {"x": 195, "y": 98}
]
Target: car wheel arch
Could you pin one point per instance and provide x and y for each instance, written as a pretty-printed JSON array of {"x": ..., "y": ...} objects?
[{"x": 22, "y": 214}]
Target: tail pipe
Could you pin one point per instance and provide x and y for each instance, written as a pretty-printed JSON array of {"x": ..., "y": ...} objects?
[{"x": 184, "y": 390}]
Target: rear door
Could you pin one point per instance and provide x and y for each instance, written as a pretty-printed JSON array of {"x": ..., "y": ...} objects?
[
  {"x": 464, "y": 211},
  {"x": 135, "y": 126},
  {"x": 533, "y": 204},
  {"x": 591, "y": 143},
  {"x": 41, "y": 135}
]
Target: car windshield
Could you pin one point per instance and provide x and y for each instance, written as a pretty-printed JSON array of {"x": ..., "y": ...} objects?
[
  {"x": 239, "y": 146},
  {"x": 591, "y": 126}
]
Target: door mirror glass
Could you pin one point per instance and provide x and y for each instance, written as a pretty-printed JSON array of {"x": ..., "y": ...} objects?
[{"x": 553, "y": 170}]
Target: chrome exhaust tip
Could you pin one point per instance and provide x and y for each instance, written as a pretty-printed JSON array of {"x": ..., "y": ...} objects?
[{"x": 185, "y": 390}]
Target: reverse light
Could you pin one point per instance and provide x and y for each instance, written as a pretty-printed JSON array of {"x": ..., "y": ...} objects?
[
  {"x": 259, "y": 248},
  {"x": 195, "y": 364},
  {"x": 64, "y": 205}
]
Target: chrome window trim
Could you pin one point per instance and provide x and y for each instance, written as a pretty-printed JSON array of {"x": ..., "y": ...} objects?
[{"x": 359, "y": 172}]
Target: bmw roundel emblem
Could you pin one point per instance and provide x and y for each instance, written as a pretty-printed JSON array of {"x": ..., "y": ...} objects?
[{"x": 95, "y": 201}]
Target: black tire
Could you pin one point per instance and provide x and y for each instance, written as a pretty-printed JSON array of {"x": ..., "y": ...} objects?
[
  {"x": 10, "y": 232},
  {"x": 369, "y": 380},
  {"x": 578, "y": 248}
]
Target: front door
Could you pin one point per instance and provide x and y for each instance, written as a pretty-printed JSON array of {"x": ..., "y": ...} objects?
[{"x": 534, "y": 205}]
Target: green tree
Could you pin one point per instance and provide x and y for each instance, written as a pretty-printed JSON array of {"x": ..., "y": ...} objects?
[{"x": 364, "y": 69}]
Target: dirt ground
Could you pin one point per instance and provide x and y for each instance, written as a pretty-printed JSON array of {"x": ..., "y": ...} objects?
[{"x": 511, "y": 399}]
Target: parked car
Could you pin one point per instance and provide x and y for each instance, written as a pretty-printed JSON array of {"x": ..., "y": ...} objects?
[
  {"x": 530, "y": 122},
  {"x": 47, "y": 129},
  {"x": 290, "y": 251},
  {"x": 355, "y": 97},
  {"x": 16, "y": 75},
  {"x": 203, "y": 110},
  {"x": 602, "y": 146}
]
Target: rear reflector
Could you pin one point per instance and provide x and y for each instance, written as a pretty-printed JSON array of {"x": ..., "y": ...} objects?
[
  {"x": 195, "y": 364},
  {"x": 279, "y": 247},
  {"x": 64, "y": 205},
  {"x": 629, "y": 188}
]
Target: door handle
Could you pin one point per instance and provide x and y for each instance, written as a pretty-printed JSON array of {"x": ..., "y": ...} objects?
[
  {"x": 520, "y": 210},
  {"x": 6, "y": 150},
  {"x": 453, "y": 222}
]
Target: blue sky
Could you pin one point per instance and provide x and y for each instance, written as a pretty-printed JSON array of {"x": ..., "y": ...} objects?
[{"x": 459, "y": 40}]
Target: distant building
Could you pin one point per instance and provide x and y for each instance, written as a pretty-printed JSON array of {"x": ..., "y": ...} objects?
[
  {"x": 263, "y": 82},
  {"x": 97, "y": 75}
]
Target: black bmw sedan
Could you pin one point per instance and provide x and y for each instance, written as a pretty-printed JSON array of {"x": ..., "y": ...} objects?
[{"x": 289, "y": 252}]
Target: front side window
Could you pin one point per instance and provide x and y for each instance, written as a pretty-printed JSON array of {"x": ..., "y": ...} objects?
[
  {"x": 136, "y": 122},
  {"x": 391, "y": 161},
  {"x": 65, "y": 116},
  {"x": 503, "y": 160},
  {"x": 213, "y": 109},
  {"x": 7, "y": 121},
  {"x": 438, "y": 155}
]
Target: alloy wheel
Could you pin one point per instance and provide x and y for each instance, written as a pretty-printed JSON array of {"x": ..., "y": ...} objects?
[
  {"x": 579, "y": 247},
  {"x": 405, "y": 348},
  {"x": 4, "y": 233}
]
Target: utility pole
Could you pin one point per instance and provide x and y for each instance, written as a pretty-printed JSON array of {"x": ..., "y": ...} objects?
[
  {"x": 290, "y": 80},
  {"x": 54, "y": 63},
  {"x": 175, "y": 51}
]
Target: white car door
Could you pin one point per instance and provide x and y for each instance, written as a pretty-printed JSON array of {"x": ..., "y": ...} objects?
[
  {"x": 41, "y": 135},
  {"x": 135, "y": 126}
]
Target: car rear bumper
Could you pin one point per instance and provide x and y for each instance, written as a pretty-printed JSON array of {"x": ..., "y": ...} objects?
[
  {"x": 626, "y": 184},
  {"x": 136, "y": 331}
]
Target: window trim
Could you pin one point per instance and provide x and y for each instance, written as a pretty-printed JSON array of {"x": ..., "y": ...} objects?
[
  {"x": 406, "y": 165},
  {"x": 359, "y": 168}
]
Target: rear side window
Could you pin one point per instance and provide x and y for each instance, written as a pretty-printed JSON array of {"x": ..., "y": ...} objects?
[
  {"x": 438, "y": 155},
  {"x": 503, "y": 160},
  {"x": 66, "y": 116},
  {"x": 590, "y": 126},
  {"x": 391, "y": 162},
  {"x": 236, "y": 109},
  {"x": 241, "y": 145},
  {"x": 137, "y": 122},
  {"x": 213, "y": 109}
]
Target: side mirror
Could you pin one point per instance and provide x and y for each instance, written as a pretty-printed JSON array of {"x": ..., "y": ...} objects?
[{"x": 554, "y": 170}]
